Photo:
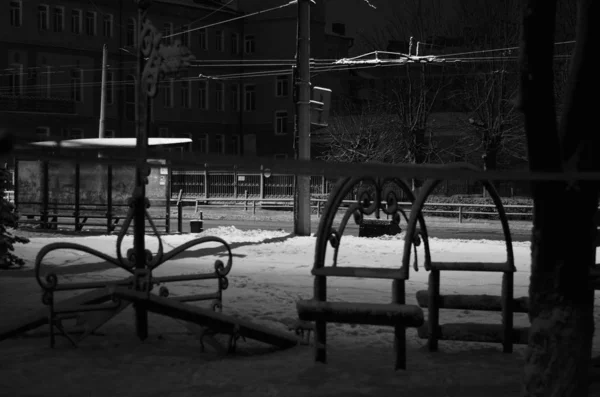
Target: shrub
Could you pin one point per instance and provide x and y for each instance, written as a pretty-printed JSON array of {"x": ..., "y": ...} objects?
[{"x": 8, "y": 218}]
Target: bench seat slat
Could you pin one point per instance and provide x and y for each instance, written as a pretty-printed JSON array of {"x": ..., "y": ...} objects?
[
  {"x": 390, "y": 314},
  {"x": 364, "y": 272},
  {"x": 499, "y": 267}
]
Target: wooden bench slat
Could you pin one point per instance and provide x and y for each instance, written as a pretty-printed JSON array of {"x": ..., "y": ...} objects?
[
  {"x": 475, "y": 332},
  {"x": 499, "y": 267},
  {"x": 364, "y": 272},
  {"x": 390, "y": 314},
  {"x": 492, "y": 303}
]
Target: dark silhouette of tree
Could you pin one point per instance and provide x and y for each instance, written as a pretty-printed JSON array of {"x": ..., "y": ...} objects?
[{"x": 563, "y": 246}]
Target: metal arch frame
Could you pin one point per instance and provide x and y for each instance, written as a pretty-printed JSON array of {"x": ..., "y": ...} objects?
[
  {"x": 366, "y": 205},
  {"x": 427, "y": 189}
]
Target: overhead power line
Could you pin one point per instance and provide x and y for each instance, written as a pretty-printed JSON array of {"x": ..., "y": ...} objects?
[{"x": 233, "y": 19}]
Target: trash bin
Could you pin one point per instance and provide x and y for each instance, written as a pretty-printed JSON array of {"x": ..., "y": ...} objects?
[{"x": 196, "y": 226}]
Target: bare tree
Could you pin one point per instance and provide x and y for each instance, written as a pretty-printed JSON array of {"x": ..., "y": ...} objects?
[
  {"x": 361, "y": 134},
  {"x": 495, "y": 129},
  {"x": 563, "y": 247}
]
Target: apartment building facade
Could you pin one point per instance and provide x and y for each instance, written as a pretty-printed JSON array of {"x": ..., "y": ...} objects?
[{"x": 51, "y": 73}]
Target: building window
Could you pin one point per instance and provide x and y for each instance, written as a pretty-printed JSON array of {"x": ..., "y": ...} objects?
[
  {"x": 186, "y": 99},
  {"x": 235, "y": 145},
  {"x": 167, "y": 93},
  {"x": 16, "y": 13},
  {"x": 203, "y": 95},
  {"x": 59, "y": 19},
  {"x": 131, "y": 33},
  {"x": 185, "y": 36},
  {"x": 249, "y": 45},
  {"x": 109, "y": 133},
  {"x": 15, "y": 80},
  {"x": 76, "y": 16},
  {"x": 203, "y": 39},
  {"x": 167, "y": 32},
  {"x": 220, "y": 143},
  {"x": 235, "y": 97},
  {"x": 220, "y": 97},
  {"x": 107, "y": 25},
  {"x": 77, "y": 85},
  {"x": 43, "y": 17},
  {"x": 235, "y": 43},
  {"x": 219, "y": 41},
  {"x": 110, "y": 87},
  {"x": 130, "y": 98},
  {"x": 281, "y": 122},
  {"x": 42, "y": 133},
  {"x": 76, "y": 133},
  {"x": 163, "y": 132},
  {"x": 90, "y": 23},
  {"x": 46, "y": 81},
  {"x": 249, "y": 98},
  {"x": 203, "y": 143},
  {"x": 282, "y": 88}
]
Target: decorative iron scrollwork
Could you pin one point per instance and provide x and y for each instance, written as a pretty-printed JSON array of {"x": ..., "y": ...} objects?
[
  {"x": 372, "y": 196},
  {"x": 161, "y": 60}
]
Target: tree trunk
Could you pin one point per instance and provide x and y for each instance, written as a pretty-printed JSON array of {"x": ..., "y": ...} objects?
[{"x": 561, "y": 303}]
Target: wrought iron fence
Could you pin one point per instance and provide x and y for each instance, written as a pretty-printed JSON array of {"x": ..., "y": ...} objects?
[{"x": 221, "y": 184}]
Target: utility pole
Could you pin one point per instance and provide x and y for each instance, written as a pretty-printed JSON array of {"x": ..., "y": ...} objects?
[
  {"x": 103, "y": 92},
  {"x": 302, "y": 82}
]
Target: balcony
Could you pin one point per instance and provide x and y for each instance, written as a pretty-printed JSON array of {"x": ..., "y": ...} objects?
[{"x": 36, "y": 104}]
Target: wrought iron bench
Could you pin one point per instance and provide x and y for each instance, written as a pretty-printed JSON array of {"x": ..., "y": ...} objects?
[
  {"x": 94, "y": 308},
  {"x": 505, "y": 303},
  {"x": 374, "y": 196}
]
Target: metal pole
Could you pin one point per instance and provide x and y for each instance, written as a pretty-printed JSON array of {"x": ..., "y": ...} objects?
[
  {"x": 139, "y": 196},
  {"x": 103, "y": 92},
  {"x": 302, "y": 224}
]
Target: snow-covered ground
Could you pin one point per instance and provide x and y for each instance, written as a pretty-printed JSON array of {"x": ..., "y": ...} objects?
[{"x": 271, "y": 270}]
